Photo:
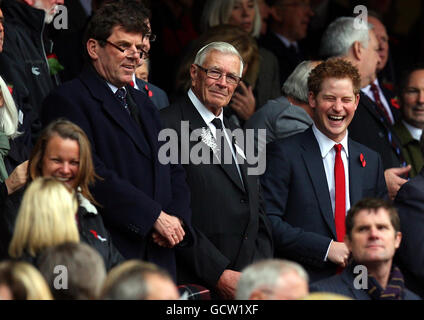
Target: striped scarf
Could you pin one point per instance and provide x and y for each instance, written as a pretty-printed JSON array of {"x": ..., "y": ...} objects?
[{"x": 394, "y": 290}]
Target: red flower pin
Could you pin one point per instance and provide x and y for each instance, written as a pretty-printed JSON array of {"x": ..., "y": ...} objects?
[
  {"x": 149, "y": 92},
  {"x": 362, "y": 159},
  {"x": 395, "y": 103},
  {"x": 10, "y": 87}
]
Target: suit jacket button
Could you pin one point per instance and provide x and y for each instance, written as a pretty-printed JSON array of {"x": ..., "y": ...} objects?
[{"x": 243, "y": 200}]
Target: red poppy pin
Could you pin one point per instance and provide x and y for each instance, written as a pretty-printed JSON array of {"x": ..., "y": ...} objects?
[
  {"x": 395, "y": 103},
  {"x": 10, "y": 87},
  {"x": 362, "y": 159},
  {"x": 149, "y": 92},
  {"x": 97, "y": 236}
]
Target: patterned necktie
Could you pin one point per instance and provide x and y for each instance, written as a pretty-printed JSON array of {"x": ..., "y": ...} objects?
[
  {"x": 340, "y": 205},
  {"x": 379, "y": 104},
  {"x": 225, "y": 147},
  {"x": 121, "y": 94}
]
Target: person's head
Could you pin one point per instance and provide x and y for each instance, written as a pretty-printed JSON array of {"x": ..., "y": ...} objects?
[
  {"x": 81, "y": 264},
  {"x": 372, "y": 231},
  {"x": 49, "y": 7},
  {"x": 1, "y": 30},
  {"x": 382, "y": 38},
  {"x": 343, "y": 38},
  {"x": 295, "y": 88},
  {"x": 412, "y": 96},
  {"x": 208, "y": 82},
  {"x": 63, "y": 151},
  {"x": 139, "y": 280},
  {"x": 290, "y": 18},
  {"x": 334, "y": 87},
  {"x": 8, "y": 112},
  {"x": 21, "y": 281},
  {"x": 242, "y": 13},
  {"x": 272, "y": 279},
  {"x": 46, "y": 218},
  {"x": 142, "y": 72},
  {"x": 114, "y": 42},
  {"x": 264, "y": 11}
]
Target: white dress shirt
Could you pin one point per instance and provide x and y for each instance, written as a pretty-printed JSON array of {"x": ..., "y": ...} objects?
[
  {"x": 414, "y": 131},
  {"x": 328, "y": 154},
  {"x": 208, "y": 116}
]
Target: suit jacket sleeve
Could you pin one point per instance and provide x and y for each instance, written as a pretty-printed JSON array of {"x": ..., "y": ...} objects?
[
  {"x": 141, "y": 211},
  {"x": 289, "y": 241}
]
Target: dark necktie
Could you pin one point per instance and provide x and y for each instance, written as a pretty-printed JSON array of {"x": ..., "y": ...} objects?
[
  {"x": 380, "y": 107},
  {"x": 121, "y": 94},
  {"x": 340, "y": 203},
  {"x": 131, "y": 108},
  {"x": 225, "y": 147}
]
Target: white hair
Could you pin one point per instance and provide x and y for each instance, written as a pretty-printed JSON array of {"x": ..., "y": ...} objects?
[
  {"x": 219, "y": 46},
  {"x": 265, "y": 273},
  {"x": 296, "y": 85},
  {"x": 341, "y": 34},
  {"x": 218, "y": 12},
  {"x": 8, "y": 113}
]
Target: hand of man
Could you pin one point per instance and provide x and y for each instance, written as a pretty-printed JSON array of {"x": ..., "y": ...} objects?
[
  {"x": 243, "y": 103},
  {"x": 394, "y": 180},
  {"x": 160, "y": 240},
  {"x": 338, "y": 253},
  {"x": 227, "y": 284},
  {"x": 18, "y": 178},
  {"x": 170, "y": 228}
]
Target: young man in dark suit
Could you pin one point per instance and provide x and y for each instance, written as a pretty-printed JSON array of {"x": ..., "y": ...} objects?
[
  {"x": 231, "y": 226},
  {"x": 144, "y": 203},
  {"x": 312, "y": 178}
]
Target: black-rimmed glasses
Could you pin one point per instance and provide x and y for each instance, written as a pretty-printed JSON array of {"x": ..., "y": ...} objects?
[
  {"x": 129, "y": 52},
  {"x": 217, "y": 74}
]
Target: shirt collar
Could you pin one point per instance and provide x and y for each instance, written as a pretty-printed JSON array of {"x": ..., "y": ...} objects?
[
  {"x": 286, "y": 41},
  {"x": 205, "y": 113},
  {"x": 326, "y": 144},
  {"x": 414, "y": 131},
  {"x": 112, "y": 87}
]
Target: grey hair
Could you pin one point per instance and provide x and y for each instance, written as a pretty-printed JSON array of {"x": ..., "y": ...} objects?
[
  {"x": 341, "y": 34},
  {"x": 296, "y": 85},
  {"x": 218, "y": 12},
  {"x": 222, "y": 47},
  {"x": 265, "y": 274},
  {"x": 8, "y": 113}
]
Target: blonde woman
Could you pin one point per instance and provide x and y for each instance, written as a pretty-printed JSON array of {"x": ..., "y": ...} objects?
[
  {"x": 21, "y": 281},
  {"x": 46, "y": 218}
]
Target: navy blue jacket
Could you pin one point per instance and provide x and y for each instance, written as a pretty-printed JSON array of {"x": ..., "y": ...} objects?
[{"x": 135, "y": 186}]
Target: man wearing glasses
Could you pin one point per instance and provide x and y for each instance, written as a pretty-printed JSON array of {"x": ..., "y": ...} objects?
[
  {"x": 145, "y": 205},
  {"x": 231, "y": 227}
]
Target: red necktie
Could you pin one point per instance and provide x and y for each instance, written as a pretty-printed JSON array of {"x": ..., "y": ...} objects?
[
  {"x": 340, "y": 205},
  {"x": 379, "y": 104}
]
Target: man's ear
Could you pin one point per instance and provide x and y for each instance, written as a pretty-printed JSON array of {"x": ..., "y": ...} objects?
[
  {"x": 398, "y": 239},
  {"x": 357, "y": 50},
  {"x": 193, "y": 73},
  {"x": 92, "y": 48},
  {"x": 30, "y": 2},
  {"x": 311, "y": 99},
  {"x": 274, "y": 12}
]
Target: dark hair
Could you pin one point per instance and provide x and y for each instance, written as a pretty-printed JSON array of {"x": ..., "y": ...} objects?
[
  {"x": 66, "y": 130},
  {"x": 127, "y": 15},
  {"x": 333, "y": 68},
  {"x": 404, "y": 80},
  {"x": 371, "y": 204}
]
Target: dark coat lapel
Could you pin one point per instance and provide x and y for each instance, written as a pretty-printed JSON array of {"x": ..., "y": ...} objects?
[
  {"x": 355, "y": 173},
  {"x": 190, "y": 113},
  {"x": 100, "y": 91},
  {"x": 312, "y": 157}
]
